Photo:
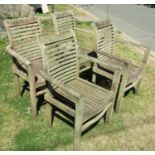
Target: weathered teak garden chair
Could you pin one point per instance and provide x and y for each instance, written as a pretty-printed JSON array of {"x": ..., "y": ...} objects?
[
  {"x": 132, "y": 74},
  {"x": 26, "y": 53},
  {"x": 83, "y": 101},
  {"x": 63, "y": 21}
]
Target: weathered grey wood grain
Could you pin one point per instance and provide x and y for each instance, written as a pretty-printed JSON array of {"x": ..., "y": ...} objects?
[
  {"x": 86, "y": 102},
  {"x": 25, "y": 49},
  {"x": 63, "y": 21},
  {"x": 131, "y": 74}
]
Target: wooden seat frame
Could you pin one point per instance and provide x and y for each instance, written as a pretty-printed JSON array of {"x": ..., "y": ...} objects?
[
  {"x": 105, "y": 43},
  {"x": 61, "y": 60},
  {"x": 24, "y": 47}
]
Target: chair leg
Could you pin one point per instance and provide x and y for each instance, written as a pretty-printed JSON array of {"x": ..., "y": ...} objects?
[
  {"x": 119, "y": 100},
  {"x": 94, "y": 78},
  {"x": 50, "y": 115},
  {"x": 17, "y": 79},
  {"x": 34, "y": 100},
  {"x": 137, "y": 87},
  {"x": 120, "y": 96},
  {"x": 33, "y": 103},
  {"x": 78, "y": 125},
  {"x": 108, "y": 114},
  {"x": 77, "y": 134}
]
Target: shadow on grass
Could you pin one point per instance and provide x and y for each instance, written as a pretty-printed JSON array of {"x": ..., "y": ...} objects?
[{"x": 41, "y": 139}]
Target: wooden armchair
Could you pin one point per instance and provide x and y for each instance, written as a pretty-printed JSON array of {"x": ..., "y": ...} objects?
[
  {"x": 132, "y": 74},
  {"x": 26, "y": 54},
  {"x": 63, "y": 21},
  {"x": 83, "y": 101}
]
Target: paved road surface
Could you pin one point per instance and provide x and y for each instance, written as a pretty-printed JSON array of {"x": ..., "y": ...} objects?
[{"x": 136, "y": 21}]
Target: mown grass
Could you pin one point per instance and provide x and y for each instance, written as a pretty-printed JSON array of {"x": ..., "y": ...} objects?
[{"x": 131, "y": 129}]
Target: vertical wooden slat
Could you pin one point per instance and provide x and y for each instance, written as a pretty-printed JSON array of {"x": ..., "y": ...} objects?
[{"x": 32, "y": 82}]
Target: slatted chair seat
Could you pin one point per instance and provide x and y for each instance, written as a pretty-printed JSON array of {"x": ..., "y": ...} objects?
[
  {"x": 94, "y": 104},
  {"x": 134, "y": 72},
  {"x": 84, "y": 101},
  {"x": 25, "y": 49},
  {"x": 105, "y": 43}
]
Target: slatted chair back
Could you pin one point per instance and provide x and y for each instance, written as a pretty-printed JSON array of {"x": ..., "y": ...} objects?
[
  {"x": 105, "y": 37},
  {"x": 23, "y": 36},
  {"x": 60, "y": 56},
  {"x": 63, "y": 21}
]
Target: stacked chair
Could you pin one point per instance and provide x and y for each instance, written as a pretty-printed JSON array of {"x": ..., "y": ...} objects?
[
  {"x": 132, "y": 74},
  {"x": 51, "y": 66},
  {"x": 63, "y": 21},
  {"x": 25, "y": 50},
  {"x": 67, "y": 92}
]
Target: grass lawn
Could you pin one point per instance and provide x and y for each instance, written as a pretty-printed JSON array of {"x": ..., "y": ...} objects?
[{"x": 131, "y": 129}]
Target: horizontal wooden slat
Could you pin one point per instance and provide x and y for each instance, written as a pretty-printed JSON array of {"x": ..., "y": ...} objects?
[
  {"x": 56, "y": 44},
  {"x": 55, "y": 56},
  {"x": 65, "y": 27},
  {"x": 27, "y": 33},
  {"x": 24, "y": 49},
  {"x": 24, "y": 36},
  {"x": 63, "y": 14},
  {"x": 63, "y": 67},
  {"x": 57, "y": 52},
  {"x": 63, "y": 21},
  {"x": 70, "y": 19},
  {"x": 25, "y": 42},
  {"x": 63, "y": 70},
  {"x": 22, "y": 21},
  {"x": 29, "y": 50},
  {"x": 56, "y": 66},
  {"x": 56, "y": 38},
  {"x": 32, "y": 57},
  {"x": 23, "y": 29},
  {"x": 93, "y": 104},
  {"x": 67, "y": 78},
  {"x": 64, "y": 74},
  {"x": 60, "y": 57}
]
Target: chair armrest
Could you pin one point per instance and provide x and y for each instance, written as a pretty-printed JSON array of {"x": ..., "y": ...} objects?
[
  {"x": 99, "y": 62},
  {"x": 146, "y": 51},
  {"x": 17, "y": 56},
  {"x": 112, "y": 56},
  {"x": 66, "y": 89},
  {"x": 146, "y": 56}
]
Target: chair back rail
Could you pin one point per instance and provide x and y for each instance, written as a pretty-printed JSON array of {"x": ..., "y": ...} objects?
[
  {"x": 63, "y": 21},
  {"x": 105, "y": 37},
  {"x": 23, "y": 36},
  {"x": 60, "y": 56}
]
